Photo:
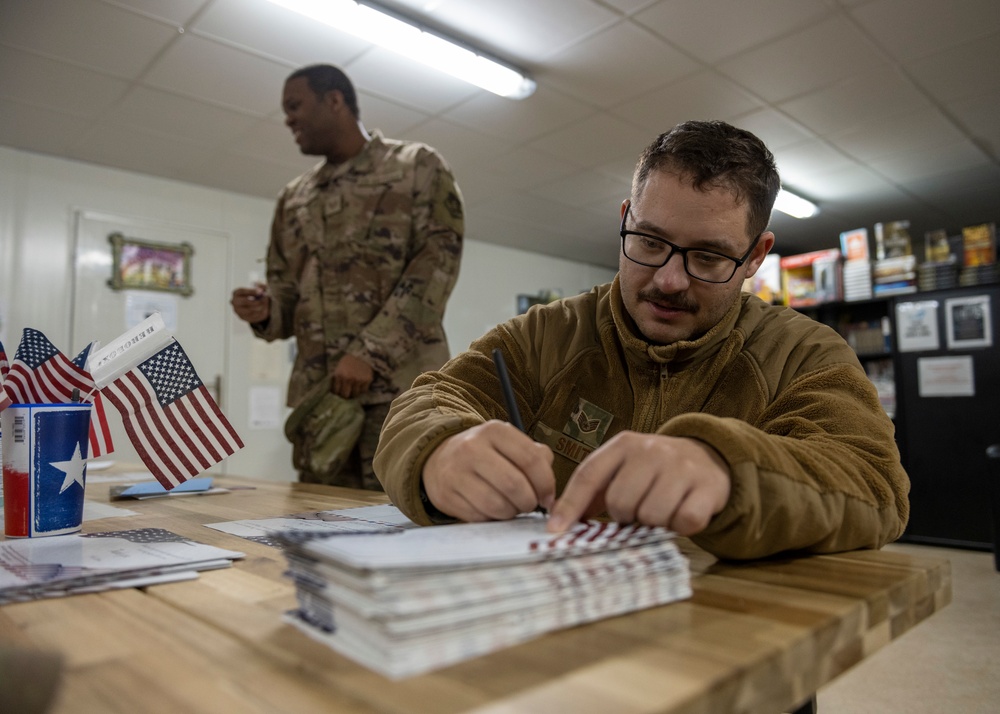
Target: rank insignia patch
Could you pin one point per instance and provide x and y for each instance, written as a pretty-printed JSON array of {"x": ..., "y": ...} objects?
[{"x": 588, "y": 423}]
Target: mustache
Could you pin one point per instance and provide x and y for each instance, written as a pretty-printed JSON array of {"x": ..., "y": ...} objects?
[{"x": 675, "y": 301}]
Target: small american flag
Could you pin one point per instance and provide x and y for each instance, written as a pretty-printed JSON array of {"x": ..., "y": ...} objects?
[
  {"x": 172, "y": 421},
  {"x": 4, "y": 399},
  {"x": 100, "y": 437},
  {"x": 41, "y": 374}
]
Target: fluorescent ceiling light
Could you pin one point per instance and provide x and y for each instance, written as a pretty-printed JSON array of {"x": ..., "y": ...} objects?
[
  {"x": 795, "y": 206},
  {"x": 411, "y": 41}
]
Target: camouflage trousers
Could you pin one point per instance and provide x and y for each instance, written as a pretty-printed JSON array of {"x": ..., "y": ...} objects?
[{"x": 357, "y": 472}]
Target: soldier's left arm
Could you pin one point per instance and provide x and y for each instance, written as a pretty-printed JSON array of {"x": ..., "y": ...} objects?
[{"x": 414, "y": 311}]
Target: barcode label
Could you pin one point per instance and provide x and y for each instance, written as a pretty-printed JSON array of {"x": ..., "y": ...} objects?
[{"x": 19, "y": 430}]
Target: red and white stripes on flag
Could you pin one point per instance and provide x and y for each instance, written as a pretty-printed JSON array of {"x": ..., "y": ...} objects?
[
  {"x": 41, "y": 374},
  {"x": 172, "y": 421},
  {"x": 5, "y": 401}
]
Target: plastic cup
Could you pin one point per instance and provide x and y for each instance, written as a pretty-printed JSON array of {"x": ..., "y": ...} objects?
[{"x": 44, "y": 468}]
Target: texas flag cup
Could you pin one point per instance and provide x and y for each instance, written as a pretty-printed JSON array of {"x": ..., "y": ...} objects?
[{"x": 44, "y": 468}]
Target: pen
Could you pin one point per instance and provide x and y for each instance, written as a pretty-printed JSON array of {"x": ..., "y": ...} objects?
[{"x": 513, "y": 415}]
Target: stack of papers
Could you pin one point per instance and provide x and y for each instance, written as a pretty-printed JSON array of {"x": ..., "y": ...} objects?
[
  {"x": 410, "y": 601},
  {"x": 80, "y": 563}
]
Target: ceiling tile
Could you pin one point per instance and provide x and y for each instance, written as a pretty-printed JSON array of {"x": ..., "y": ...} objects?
[
  {"x": 463, "y": 148},
  {"x": 960, "y": 72},
  {"x": 249, "y": 83},
  {"x": 175, "y": 11},
  {"x": 773, "y": 128},
  {"x": 977, "y": 187},
  {"x": 179, "y": 117},
  {"x": 798, "y": 166},
  {"x": 846, "y": 182},
  {"x": 241, "y": 173},
  {"x": 585, "y": 189},
  {"x": 738, "y": 25},
  {"x": 594, "y": 69},
  {"x": 916, "y": 28},
  {"x": 525, "y": 119},
  {"x": 932, "y": 160},
  {"x": 979, "y": 117},
  {"x": 35, "y": 129},
  {"x": 904, "y": 134},
  {"x": 390, "y": 118},
  {"x": 89, "y": 33},
  {"x": 132, "y": 149},
  {"x": 56, "y": 85},
  {"x": 703, "y": 95},
  {"x": 805, "y": 61},
  {"x": 383, "y": 73},
  {"x": 278, "y": 32},
  {"x": 526, "y": 168},
  {"x": 856, "y": 100},
  {"x": 271, "y": 141},
  {"x": 594, "y": 141}
]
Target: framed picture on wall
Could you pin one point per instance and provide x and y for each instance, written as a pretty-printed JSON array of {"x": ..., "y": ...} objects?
[
  {"x": 147, "y": 265},
  {"x": 969, "y": 322}
]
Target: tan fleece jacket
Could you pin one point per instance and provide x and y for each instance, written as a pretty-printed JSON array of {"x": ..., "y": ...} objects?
[{"x": 781, "y": 397}]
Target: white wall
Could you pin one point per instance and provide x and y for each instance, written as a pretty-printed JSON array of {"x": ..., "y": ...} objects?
[{"x": 40, "y": 195}]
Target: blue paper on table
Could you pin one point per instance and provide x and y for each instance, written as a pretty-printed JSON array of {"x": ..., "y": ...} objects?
[{"x": 154, "y": 488}]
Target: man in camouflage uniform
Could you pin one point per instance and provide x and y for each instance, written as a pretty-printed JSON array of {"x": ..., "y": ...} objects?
[{"x": 364, "y": 252}]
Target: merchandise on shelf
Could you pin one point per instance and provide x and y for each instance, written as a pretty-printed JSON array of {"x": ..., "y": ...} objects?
[
  {"x": 854, "y": 244},
  {"x": 811, "y": 278},
  {"x": 892, "y": 240},
  {"x": 979, "y": 245}
]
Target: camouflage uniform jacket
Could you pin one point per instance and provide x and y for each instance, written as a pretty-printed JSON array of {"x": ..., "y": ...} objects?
[
  {"x": 362, "y": 259},
  {"x": 781, "y": 398}
]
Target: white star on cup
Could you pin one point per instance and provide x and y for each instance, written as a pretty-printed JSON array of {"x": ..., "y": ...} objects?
[{"x": 73, "y": 469}]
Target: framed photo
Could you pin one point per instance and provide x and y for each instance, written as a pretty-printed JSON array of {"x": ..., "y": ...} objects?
[
  {"x": 146, "y": 265},
  {"x": 970, "y": 323}
]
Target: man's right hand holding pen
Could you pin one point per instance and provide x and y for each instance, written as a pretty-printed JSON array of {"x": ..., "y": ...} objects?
[{"x": 252, "y": 305}]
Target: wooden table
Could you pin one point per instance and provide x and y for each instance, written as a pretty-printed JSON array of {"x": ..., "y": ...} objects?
[{"x": 757, "y": 637}]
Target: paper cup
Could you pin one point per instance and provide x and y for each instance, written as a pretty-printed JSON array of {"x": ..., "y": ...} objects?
[{"x": 44, "y": 468}]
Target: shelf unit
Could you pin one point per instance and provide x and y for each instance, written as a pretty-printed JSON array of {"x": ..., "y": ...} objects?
[{"x": 942, "y": 439}]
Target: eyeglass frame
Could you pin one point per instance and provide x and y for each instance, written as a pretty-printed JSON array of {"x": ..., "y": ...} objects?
[{"x": 737, "y": 262}]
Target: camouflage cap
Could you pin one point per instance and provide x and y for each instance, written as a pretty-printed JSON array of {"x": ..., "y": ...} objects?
[{"x": 323, "y": 430}]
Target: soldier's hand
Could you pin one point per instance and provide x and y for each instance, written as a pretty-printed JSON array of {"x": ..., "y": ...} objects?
[
  {"x": 351, "y": 377},
  {"x": 252, "y": 304},
  {"x": 492, "y": 471},
  {"x": 651, "y": 479}
]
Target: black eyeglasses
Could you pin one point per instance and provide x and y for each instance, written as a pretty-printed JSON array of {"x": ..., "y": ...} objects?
[{"x": 705, "y": 265}]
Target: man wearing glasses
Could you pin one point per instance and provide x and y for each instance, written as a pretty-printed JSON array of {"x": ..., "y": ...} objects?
[{"x": 668, "y": 397}]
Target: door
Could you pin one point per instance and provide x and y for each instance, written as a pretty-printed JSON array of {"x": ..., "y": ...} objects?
[
  {"x": 950, "y": 410},
  {"x": 197, "y": 320}
]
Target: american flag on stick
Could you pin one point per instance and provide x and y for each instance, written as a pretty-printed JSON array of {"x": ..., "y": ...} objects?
[
  {"x": 41, "y": 374},
  {"x": 4, "y": 399},
  {"x": 171, "y": 419}
]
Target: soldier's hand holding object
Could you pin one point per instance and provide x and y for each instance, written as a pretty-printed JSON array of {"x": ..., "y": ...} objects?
[{"x": 252, "y": 304}]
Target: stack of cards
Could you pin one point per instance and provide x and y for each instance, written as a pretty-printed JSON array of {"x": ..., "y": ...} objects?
[{"x": 413, "y": 600}]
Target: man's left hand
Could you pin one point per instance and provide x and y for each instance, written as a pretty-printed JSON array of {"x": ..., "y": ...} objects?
[
  {"x": 351, "y": 377},
  {"x": 655, "y": 480}
]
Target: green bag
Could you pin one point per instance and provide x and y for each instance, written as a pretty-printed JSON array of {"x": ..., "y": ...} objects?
[{"x": 323, "y": 430}]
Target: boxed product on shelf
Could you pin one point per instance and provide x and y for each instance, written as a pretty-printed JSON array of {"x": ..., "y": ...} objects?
[
  {"x": 811, "y": 278},
  {"x": 979, "y": 245},
  {"x": 937, "y": 246},
  {"x": 854, "y": 244},
  {"x": 895, "y": 276},
  {"x": 892, "y": 240}
]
